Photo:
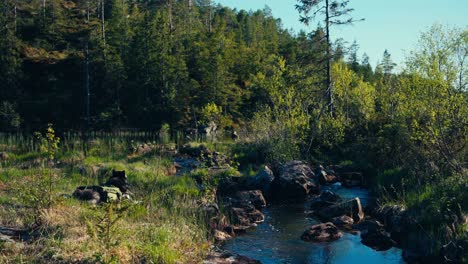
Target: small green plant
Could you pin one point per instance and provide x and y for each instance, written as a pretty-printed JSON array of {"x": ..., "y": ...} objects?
[
  {"x": 49, "y": 146},
  {"x": 49, "y": 143},
  {"x": 105, "y": 228}
]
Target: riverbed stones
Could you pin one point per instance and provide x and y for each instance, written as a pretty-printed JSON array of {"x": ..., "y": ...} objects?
[
  {"x": 247, "y": 215},
  {"x": 350, "y": 208},
  {"x": 295, "y": 181},
  {"x": 254, "y": 197},
  {"x": 326, "y": 199},
  {"x": 324, "y": 232},
  {"x": 325, "y": 176},
  {"x": 343, "y": 220}
]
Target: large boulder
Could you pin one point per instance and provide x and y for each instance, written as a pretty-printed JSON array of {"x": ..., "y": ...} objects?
[
  {"x": 326, "y": 199},
  {"x": 295, "y": 181},
  {"x": 377, "y": 239},
  {"x": 350, "y": 208},
  {"x": 247, "y": 215},
  {"x": 252, "y": 197},
  {"x": 324, "y": 232},
  {"x": 262, "y": 181}
]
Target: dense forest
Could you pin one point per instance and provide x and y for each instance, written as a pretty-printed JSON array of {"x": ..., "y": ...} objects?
[{"x": 175, "y": 65}]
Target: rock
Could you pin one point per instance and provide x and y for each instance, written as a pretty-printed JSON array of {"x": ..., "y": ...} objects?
[
  {"x": 324, "y": 232},
  {"x": 221, "y": 236},
  {"x": 368, "y": 225},
  {"x": 3, "y": 156},
  {"x": 295, "y": 181},
  {"x": 325, "y": 176},
  {"x": 253, "y": 197},
  {"x": 326, "y": 199},
  {"x": 377, "y": 239},
  {"x": 350, "y": 208},
  {"x": 329, "y": 196},
  {"x": 247, "y": 215},
  {"x": 262, "y": 181},
  {"x": 228, "y": 258},
  {"x": 352, "y": 179},
  {"x": 343, "y": 220}
]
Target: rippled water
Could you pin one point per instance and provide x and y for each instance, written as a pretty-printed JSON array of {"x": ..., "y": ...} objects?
[{"x": 277, "y": 240}]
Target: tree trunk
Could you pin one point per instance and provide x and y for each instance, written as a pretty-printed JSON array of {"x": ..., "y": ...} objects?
[
  {"x": 329, "y": 82},
  {"x": 103, "y": 27}
]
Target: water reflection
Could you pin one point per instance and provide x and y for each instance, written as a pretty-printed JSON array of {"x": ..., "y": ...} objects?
[{"x": 277, "y": 239}]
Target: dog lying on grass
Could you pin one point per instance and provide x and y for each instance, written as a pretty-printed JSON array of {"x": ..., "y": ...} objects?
[{"x": 115, "y": 189}]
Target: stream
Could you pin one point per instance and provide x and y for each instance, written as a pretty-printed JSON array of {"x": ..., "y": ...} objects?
[{"x": 277, "y": 239}]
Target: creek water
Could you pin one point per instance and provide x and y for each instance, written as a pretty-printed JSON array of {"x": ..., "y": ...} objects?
[{"x": 277, "y": 239}]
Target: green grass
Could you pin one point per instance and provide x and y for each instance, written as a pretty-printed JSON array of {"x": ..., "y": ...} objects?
[{"x": 164, "y": 226}]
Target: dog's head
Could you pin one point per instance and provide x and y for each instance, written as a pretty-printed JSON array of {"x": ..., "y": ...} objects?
[{"x": 119, "y": 174}]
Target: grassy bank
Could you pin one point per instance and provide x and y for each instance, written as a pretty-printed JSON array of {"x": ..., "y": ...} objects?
[{"x": 161, "y": 224}]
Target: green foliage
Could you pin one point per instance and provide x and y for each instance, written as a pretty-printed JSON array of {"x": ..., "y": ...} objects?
[
  {"x": 49, "y": 143},
  {"x": 280, "y": 124},
  {"x": 210, "y": 113}
]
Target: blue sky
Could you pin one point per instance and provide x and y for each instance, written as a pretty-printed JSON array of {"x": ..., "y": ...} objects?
[{"x": 393, "y": 25}]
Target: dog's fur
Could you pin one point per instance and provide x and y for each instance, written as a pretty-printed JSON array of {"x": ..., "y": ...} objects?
[
  {"x": 93, "y": 193},
  {"x": 119, "y": 180}
]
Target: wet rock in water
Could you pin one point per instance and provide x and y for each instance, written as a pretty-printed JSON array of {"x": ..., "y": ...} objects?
[
  {"x": 329, "y": 196},
  {"x": 262, "y": 181},
  {"x": 368, "y": 225},
  {"x": 350, "y": 208},
  {"x": 324, "y": 232},
  {"x": 247, "y": 215},
  {"x": 343, "y": 220},
  {"x": 295, "y": 181},
  {"x": 326, "y": 199},
  {"x": 252, "y": 197},
  {"x": 377, "y": 239},
  {"x": 325, "y": 176},
  {"x": 228, "y": 258}
]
